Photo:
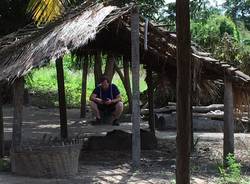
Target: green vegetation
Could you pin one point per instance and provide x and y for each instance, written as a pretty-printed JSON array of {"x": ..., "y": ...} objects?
[
  {"x": 4, "y": 165},
  {"x": 232, "y": 173},
  {"x": 42, "y": 82}
]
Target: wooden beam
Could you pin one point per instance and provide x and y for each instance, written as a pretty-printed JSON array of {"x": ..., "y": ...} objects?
[
  {"x": 150, "y": 100},
  {"x": 1, "y": 124},
  {"x": 228, "y": 146},
  {"x": 18, "y": 112},
  {"x": 183, "y": 91},
  {"x": 62, "y": 100},
  {"x": 85, "y": 63},
  {"x": 135, "y": 58}
]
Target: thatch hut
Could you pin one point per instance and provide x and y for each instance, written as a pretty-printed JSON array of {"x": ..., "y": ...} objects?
[{"x": 91, "y": 28}]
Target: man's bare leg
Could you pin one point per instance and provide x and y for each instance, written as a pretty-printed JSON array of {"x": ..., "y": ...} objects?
[
  {"x": 118, "y": 111},
  {"x": 95, "y": 109}
]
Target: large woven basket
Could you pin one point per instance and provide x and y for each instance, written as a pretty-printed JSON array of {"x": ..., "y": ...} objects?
[{"x": 58, "y": 161}]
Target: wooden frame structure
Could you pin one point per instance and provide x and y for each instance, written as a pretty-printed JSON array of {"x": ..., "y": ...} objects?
[{"x": 44, "y": 43}]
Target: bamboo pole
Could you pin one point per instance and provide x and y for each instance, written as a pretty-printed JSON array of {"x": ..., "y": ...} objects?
[{"x": 135, "y": 58}]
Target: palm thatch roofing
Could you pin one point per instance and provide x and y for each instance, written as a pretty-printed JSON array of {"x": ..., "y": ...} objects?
[{"x": 98, "y": 27}]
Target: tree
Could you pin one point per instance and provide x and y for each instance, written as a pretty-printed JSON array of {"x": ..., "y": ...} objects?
[
  {"x": 208, "y": 34},
  {"x": 238, "y": 10},
  {"x": 44, "y": 11}
]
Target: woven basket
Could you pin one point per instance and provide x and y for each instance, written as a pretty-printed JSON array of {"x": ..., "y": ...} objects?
[{"x": 47, "y": 161}]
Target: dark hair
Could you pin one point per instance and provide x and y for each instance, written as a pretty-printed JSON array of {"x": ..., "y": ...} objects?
[{"x": 103, "y": 78}]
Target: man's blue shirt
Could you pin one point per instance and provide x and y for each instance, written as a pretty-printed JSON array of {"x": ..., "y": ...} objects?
[{"x": 110, "y": 93}]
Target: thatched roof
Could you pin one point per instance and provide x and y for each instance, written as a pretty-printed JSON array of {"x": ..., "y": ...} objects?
[{"x": 31, "y": 47}]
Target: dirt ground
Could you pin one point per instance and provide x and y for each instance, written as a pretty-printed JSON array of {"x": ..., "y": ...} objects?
[{"x": 157, "y": 166}]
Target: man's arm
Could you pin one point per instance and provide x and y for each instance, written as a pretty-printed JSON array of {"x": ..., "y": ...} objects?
[
  {"x": 94, "y": 98},
  {"x": 118, "y": 98}
]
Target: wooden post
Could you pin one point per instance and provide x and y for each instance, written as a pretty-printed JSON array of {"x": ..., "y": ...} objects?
[
  {"x": 228, "y": 118},
  {"x": 109, "y": 68},
  {"x": 150, "y": 100},
  {"x": 1, "y": 125},
  {"x": 18, "y": 112},
  {"x": 183, "y": 91},
  {"x": 98, "y": 67},
  {"x": 85, "y": 63},
  {"x": 192, "y": 127},
  {"x": 127, "y": 82},
  {"x": 135, "y": 58},
  {"x": 62, "y": 100}
]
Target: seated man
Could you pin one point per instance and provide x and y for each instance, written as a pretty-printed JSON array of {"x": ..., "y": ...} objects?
[{"x": 106, "y": 99}]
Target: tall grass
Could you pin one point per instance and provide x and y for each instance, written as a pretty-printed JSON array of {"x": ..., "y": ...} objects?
[{"x": 43, "y": 81}]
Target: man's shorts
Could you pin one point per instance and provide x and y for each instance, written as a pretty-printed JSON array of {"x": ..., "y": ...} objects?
[{"x": 106, "y": 108}]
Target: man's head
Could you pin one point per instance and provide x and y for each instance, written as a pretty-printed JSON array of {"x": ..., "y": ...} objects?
[{"x": 104, "y": 81}]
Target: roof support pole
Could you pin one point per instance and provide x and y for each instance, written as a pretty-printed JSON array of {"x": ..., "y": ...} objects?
[
  {"x": 85, "y": 63},
  {"x": 98, "y": 67},
  {"x": 228, "y": 146},
  {"x": 18, "y": 112},
  {"x": 1, "y": 125},
  {"x": 62, "y": 100},
  {"x": 183, "y": 91},
  {"x": 150, "y": 99},
  {"x": 135, "y": 58},
  {"x": 127, "y": 84}
]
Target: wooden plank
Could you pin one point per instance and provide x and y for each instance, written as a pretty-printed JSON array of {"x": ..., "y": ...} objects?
[
  {"x": 135, "y": 58},
  {"x": 228, "y": 146},
  {"x": 18, "y": 112},
  {"x": 62, "y": 100},
  {"x": 183, "y": 92},
  {"x": 226, "y": 66},
  {"x": 242, "y": 75},
  {"x": 85, "y": 63},
  {"x": 1, "y": 125}
]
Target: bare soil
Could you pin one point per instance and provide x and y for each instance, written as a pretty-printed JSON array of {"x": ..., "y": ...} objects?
[{"x": 157, "y": 166}]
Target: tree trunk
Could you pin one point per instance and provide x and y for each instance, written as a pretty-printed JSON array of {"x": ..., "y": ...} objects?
[
  {"x": 85, "y": 63},
  {"x": 109, "y": 68},
  {"x": 135, "y": 58},
  {"x": 150, "y": 100},
  {"x": 1, "y": 125},
  {"x": 183, "y": 91},
  {"x": 18, "y": 112},
  {"x": 127, "y": 83},
  {"x": 98, "y": 67},
  {"x": 228, "y": 119},
  {"x": 62, "y": 100}
]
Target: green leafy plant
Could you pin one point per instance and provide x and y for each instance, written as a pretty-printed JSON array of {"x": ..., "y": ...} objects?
[
  {"x": 4, "y": 164},
  {"x": 232, "y": 172}
]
